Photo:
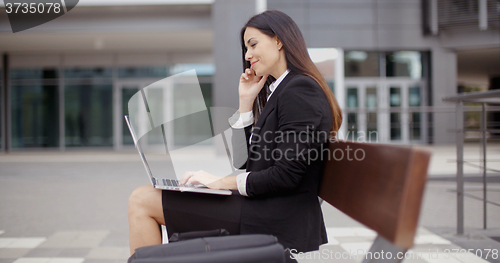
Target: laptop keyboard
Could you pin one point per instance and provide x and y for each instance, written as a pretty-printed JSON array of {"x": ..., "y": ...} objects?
[
  {"x": 170, "y": 182},
  {"x": 175, "y": 183}
]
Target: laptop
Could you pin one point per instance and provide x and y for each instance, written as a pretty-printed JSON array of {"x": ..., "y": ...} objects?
[{"x": 169, "y": 184}]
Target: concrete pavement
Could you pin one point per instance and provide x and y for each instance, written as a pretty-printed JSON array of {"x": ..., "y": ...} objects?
[{"x": 72, "y": 207}]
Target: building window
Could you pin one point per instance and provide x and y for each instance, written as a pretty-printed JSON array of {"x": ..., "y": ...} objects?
[
  {"x": 395, "y": 102},
  {"x": 403, "y": 64},
  {"x": 361, "y": 64},
  {"x": 88, "y": 115},
  {"x": 34, "y": 108},
  {"x": 397, "y": 64},
  {"x": 201, "y": 69},
  {"x": 88, "y": 73},
  {"x": 371, "y": 115},
  {"x": 88, "y": 107},
  {"x": 324, "y": 59},
  {"x": 414, "y": 100},
  {"x": 352, "y": 115},
  {"x": 142, "y": 72},
  {"x": 87, "y": 103},
  {"x": 33, "y": 73}
]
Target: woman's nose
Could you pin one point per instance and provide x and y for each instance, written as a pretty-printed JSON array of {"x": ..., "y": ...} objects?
[{"x": 248, "y": 55}]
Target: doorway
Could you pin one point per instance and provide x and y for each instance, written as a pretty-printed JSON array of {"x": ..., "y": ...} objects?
[
  {"x": 123, "y": 91},
  {"x": 385, "y": 110}
]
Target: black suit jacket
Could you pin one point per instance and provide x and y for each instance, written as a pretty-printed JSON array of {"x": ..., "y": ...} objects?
[{"x": 284, "y": 165}]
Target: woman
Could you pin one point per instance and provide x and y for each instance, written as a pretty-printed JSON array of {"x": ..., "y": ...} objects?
[{"x": 286, "y": 111}]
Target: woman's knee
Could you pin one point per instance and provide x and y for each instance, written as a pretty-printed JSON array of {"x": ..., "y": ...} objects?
[
  {"x": 146, "y": 201},
  {"x": 141, "y": 197}
]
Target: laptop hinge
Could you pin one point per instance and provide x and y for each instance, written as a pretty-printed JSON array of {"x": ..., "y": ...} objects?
[{"x": 154, "y": 181}]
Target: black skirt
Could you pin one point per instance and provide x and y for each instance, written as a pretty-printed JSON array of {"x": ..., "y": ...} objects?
[{"x": 186, "y": 212}]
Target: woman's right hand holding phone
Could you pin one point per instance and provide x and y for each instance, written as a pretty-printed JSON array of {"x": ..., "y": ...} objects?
[{"x": 249, "y": 88}]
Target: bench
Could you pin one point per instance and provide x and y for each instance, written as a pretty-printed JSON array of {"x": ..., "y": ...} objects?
[{"x": 380, "y": 186}]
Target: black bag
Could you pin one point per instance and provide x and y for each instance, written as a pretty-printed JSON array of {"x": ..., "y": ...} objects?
[
  {"x": 197, "y": 234},
  {"x": 237, "y": 248}
]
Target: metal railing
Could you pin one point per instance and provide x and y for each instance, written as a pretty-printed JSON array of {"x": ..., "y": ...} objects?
[
  {"x": 472, "y": 121},
  {"x": 477, "y": 97},
  {"x": 472, "y": 125}
]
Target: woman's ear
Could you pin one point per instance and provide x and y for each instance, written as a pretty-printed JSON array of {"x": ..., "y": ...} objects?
[{"x": 279, "y": 45}]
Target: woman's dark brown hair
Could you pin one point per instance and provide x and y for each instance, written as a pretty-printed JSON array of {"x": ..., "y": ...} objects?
[{"x": 276, "y": 23}]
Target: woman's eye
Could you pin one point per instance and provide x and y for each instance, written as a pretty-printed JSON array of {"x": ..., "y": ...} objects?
[{"x": 252, "y": 45}]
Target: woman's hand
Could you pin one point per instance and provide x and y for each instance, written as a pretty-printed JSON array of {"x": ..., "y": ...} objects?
[
  {"x": 201, "y": 177},
  {"x": 250, "y": 86}
]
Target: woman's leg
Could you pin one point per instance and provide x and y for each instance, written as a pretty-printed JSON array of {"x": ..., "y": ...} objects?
[{"x": 145, "y": 212}]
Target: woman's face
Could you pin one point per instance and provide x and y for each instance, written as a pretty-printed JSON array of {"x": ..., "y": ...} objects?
[{"x": 263, "y": 52}]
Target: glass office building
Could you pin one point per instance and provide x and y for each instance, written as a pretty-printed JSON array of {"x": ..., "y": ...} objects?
[
  {"x": 77, "y": 106},
  {"x": 65, "y": 84}
]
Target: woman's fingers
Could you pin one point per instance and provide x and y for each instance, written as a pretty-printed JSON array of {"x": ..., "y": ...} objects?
[
  {"x": 191, "y": 177},
  {"x": 185, "y": 178},
  {"x": 199, "y": 177},
  {"x": 193, "y": 180},
  {"x": 244, "y": 76},
  {"x": 248, "y": 74}
]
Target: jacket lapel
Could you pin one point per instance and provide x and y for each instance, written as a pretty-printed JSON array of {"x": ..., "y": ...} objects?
[{"x": 270, "y": 105}]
